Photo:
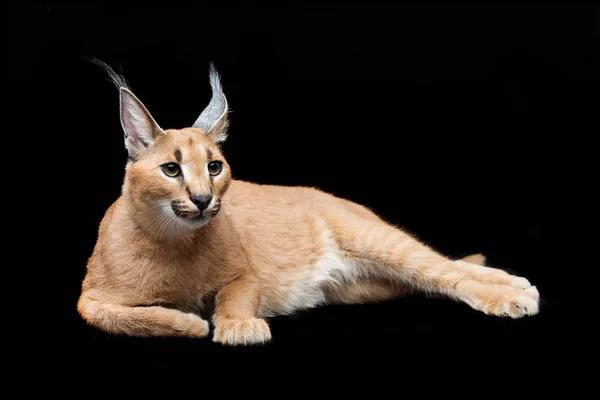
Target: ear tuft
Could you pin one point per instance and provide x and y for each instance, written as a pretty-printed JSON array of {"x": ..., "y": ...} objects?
[
  {"x": 213, "y": 119},
  {"x": 117, "y": 79}
]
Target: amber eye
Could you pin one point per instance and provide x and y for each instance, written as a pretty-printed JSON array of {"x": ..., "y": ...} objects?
[
  {"x": 214, "y": 167},
  {"x": 171, "y": 169}
]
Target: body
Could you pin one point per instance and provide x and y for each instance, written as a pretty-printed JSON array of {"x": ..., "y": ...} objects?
[
  {"x": 184, "y": 232},
  {"x": 284, "y": 237}
]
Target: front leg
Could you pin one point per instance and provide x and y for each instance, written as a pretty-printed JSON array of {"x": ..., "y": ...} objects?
[
  {"x": 101, "y": 311},
  {"x": 235, "y": 314}
]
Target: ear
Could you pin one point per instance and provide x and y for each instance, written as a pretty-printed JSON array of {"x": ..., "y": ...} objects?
[
  {"x": 213, "y": 120},
  {"x": 140, "y": 128}
]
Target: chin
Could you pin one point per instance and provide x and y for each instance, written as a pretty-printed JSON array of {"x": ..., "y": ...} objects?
[{"x": 195, "y": 223}]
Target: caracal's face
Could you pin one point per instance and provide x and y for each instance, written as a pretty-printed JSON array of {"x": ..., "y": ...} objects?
[{"x": 178, "y": 182}]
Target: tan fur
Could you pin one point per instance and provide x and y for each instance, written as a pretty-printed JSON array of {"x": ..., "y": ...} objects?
[{"x": 269, "y": 250}]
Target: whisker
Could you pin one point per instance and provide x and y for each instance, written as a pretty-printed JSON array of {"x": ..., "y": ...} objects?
[
  {"x": 158, "y": 220},
  {"x": 164, "y": 222},
  {"x": 169, "y": 226},
  {"x": 175, "y": 226}
]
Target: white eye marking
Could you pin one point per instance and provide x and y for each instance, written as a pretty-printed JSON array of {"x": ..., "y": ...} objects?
[{"x": 186, "y": 171}]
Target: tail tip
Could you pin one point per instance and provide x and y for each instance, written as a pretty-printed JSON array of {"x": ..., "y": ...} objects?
[{"x": 475, "y": 259}]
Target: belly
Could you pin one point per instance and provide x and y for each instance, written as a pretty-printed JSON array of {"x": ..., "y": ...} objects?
[{"x": 305, "y": 286}]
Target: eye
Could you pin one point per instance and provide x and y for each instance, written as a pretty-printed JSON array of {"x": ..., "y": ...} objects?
[
  {"x": 215, "y": 167},
  {"x": 171, "y": 169}
]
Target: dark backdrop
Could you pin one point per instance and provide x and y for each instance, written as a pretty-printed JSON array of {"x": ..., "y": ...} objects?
[{"x": 466, "y": 125}]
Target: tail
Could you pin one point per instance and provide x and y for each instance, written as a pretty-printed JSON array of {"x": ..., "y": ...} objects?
[{"x": 475, "y": 259}]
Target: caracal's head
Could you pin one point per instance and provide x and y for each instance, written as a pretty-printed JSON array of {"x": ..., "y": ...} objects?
[{"x": 174, "y": 179}]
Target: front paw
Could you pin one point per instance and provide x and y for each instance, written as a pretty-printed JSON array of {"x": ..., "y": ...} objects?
[
  {"x": 193, "y": 326},
  {"x": 241, "y": 331}
]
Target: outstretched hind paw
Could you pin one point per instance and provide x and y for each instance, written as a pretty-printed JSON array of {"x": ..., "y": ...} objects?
[{"x": 504, "y": 301}]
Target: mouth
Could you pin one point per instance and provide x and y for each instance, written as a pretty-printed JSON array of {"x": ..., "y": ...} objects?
[
  {"x": 196, "y": 215},
  {"x": 212, "y": 212},
  {"x": 192, "y": 219},
  {"x": 188, "y": 214}
]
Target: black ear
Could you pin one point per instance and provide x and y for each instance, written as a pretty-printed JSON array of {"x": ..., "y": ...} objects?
[
  {"x": 140, "y": 128},
  {"x": 138, "y": 125},
  {"x": 213, "y": 120}
]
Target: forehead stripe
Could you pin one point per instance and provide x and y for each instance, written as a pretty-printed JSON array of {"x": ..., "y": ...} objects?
[{"x": 177, "y": 155}]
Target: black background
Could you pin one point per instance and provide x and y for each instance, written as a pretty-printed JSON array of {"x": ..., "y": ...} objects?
[{"x": 467, "y": 125}]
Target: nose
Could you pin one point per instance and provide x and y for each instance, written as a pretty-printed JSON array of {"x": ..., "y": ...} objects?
[{"x": 201, "y": 200}]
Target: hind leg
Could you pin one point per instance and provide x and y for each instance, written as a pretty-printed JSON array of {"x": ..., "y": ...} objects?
[
  {"x": 384, "y": 251},
  {"x": 379, "y": 290},
  {"x": 367, "y": 291},
  {"x": 474, "y": 266}
]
